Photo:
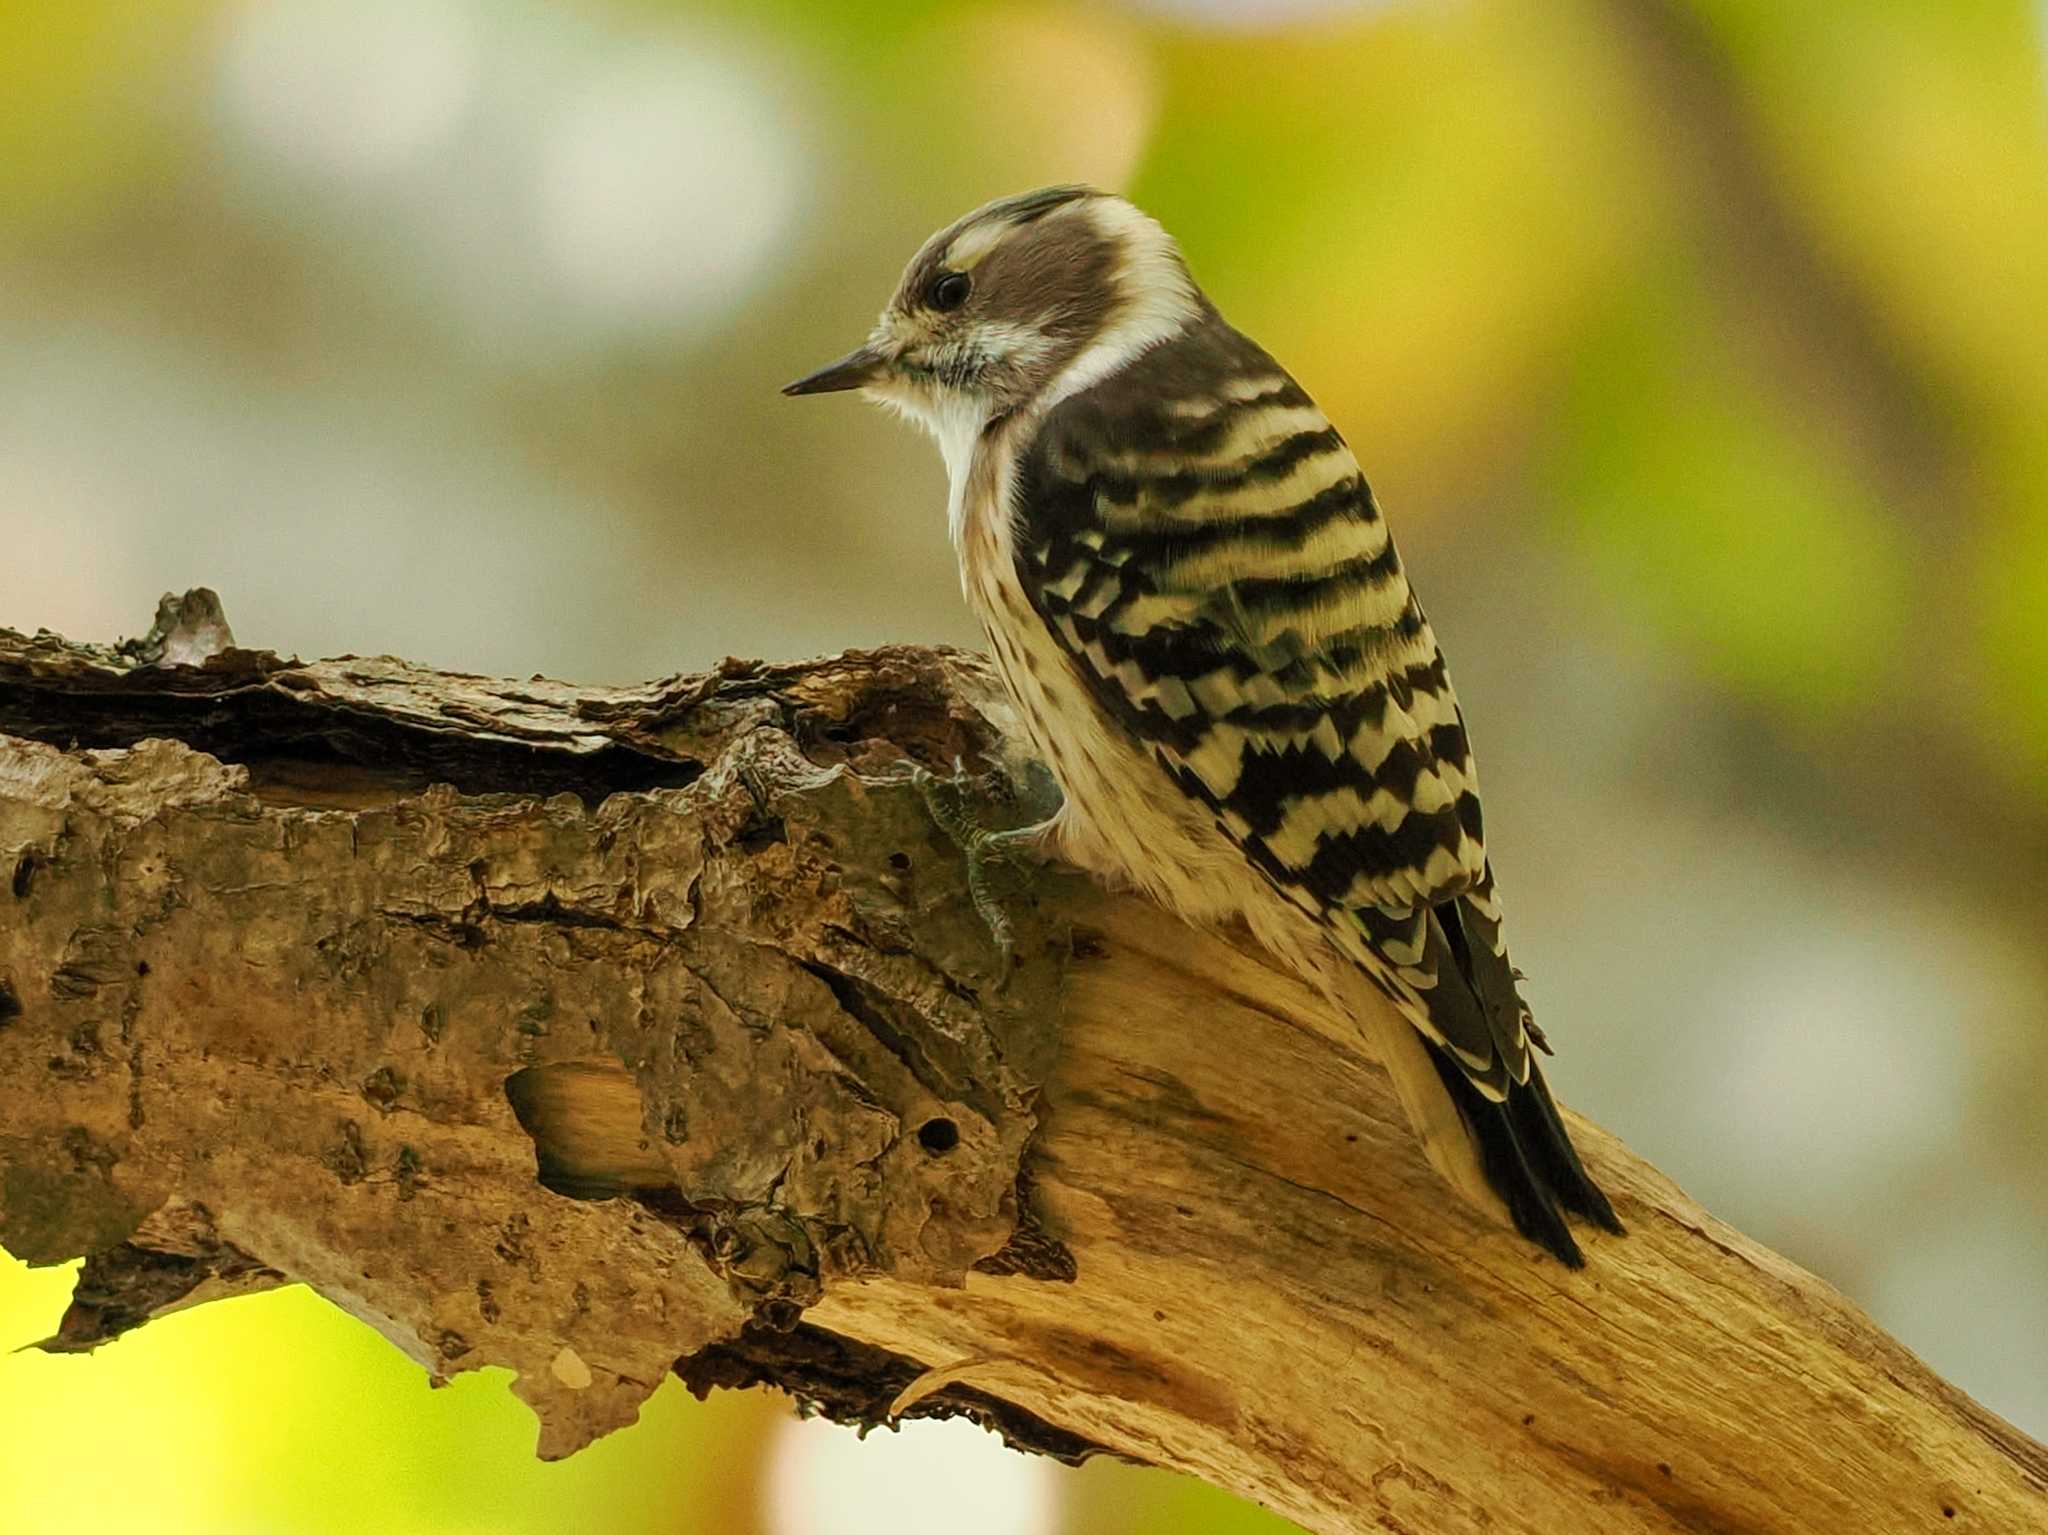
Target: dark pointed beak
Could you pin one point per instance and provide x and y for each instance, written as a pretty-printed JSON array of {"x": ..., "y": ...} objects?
[{"x": 859, "y": 367}]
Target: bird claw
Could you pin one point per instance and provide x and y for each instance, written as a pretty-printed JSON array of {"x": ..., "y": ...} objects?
[{"x": 982, "y": 848}]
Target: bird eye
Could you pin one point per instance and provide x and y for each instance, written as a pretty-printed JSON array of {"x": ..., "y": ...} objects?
[{"x": 949, "y": 291}]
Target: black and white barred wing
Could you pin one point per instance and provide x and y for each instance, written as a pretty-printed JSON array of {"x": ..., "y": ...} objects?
[{"x": 1214, "y": 563}]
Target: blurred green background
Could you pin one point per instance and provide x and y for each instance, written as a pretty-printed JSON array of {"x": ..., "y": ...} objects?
[{"x": 1700, "y": 352}]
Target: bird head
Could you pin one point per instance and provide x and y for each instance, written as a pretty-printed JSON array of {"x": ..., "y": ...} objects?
[{"x": 1023, "y": 300}]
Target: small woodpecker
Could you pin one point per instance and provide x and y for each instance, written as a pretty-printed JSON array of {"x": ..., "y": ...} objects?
[{"x": 1195, "y": 604}]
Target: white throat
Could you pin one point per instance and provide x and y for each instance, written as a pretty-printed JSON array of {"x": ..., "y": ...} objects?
[{"x": 956, "y": 422}]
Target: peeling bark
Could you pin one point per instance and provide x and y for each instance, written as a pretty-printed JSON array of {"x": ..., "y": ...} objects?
[{"x": 605, "y": 1032}]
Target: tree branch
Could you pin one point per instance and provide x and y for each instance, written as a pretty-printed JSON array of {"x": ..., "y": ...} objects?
[{"x": 604, "y": 1032}]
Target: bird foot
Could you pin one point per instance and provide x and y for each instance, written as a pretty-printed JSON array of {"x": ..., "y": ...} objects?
[{"x": 1018, "y": 847}]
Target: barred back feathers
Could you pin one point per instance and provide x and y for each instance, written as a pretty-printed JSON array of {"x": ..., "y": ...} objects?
[{"x": 1199, "y": 611}]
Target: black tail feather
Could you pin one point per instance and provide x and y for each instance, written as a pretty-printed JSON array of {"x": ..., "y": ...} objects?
[
  {"x": 1529, "y": 1160},
  {"x": 1542, "y": 1134},
  {"x": 1524, "y": 1149}
]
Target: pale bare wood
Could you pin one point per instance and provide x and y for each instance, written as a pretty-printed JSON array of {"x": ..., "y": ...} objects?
[{"x": 300, "y": 1015}]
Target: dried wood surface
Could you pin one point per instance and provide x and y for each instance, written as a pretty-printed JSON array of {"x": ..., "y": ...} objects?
[{"x": 607, "y": 1032}]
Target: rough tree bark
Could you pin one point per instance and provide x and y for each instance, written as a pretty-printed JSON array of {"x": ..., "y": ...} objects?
[{"x": 607, "y": 1032}]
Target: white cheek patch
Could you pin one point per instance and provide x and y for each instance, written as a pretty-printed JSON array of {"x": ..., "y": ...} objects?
[
  {"x": 1158, "y": 298},
  {"x": 1008, "y": 341}
]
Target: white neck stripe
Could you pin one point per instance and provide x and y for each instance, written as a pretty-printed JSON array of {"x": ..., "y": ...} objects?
[{"x": 1159, "y": 300}]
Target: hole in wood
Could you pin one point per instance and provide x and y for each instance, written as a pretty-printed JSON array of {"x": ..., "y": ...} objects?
[
  {"x": 585, "y": 1119},
  {"x": 763, "y": 831},
  {"x": 938, "y": 1136}
]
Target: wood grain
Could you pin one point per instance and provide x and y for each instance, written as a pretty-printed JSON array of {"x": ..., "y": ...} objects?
[{"x": 600, "y": 1033}]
